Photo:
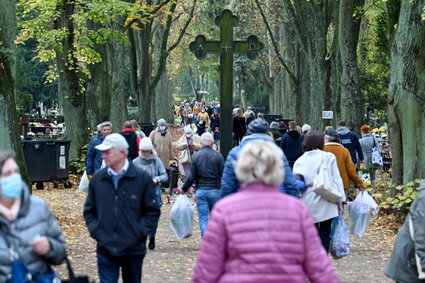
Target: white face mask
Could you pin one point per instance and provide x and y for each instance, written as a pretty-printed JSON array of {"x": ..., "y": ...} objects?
[
  {"x": 162, "y": 128},
  {"x": 188, "y": 135}
]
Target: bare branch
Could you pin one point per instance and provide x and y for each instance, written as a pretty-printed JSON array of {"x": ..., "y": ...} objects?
[
  {"x": 276, "y": 48},
  {"x": 183, "y": 31}
]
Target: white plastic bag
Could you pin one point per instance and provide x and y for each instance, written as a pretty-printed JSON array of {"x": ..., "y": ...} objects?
[
  {"x": 360, "y": 212},
  {"x": 84, "y": 183},
  {"x": 181, "y": 217}
]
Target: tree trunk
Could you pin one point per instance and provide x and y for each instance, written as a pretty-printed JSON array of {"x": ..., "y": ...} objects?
[
  {"x": 164, "y": 99},
  {"x": 145, "y": 71},
  {"x": 118, "y": 55},
  {"x": 310, "y": 20},
  {"x": 105, "y": 89},
  {"x": 92, "y": 94},
  {"x": 406, "y": 101},
  {"x": 348, "y": 33},
  {"x": 9, "y": 121},
  {"x": 71, "y": 95}
]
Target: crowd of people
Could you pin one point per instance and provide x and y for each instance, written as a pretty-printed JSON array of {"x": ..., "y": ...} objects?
[{"x": 259, "y": 218}]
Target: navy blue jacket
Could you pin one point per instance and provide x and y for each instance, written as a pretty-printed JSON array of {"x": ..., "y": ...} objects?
[
  {"x": 121, "y": 219},
  {"x": 230, "y": 184},
  {"x": 94, "y": 156},
  {"x": 351, "y": 142},
  {"x": 290, "y": 143}
]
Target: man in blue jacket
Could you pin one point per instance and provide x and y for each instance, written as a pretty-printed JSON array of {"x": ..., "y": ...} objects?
[
  {"x": 257, "y": 130},
  {"x": 121, "y": 210},
  {"x": 94, "y": 156},
  {"x": 350, "y": 141}
]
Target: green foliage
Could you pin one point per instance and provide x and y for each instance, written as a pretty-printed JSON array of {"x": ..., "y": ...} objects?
[
  {"x": 374, "y": 59},
  {"x": 396, "y": 199},
  {"x": 77, "y": 166},
  {"x": 133, "y": 113},
  {"x": 29, "y": 80},
  {"x": 38, "y": 19}
]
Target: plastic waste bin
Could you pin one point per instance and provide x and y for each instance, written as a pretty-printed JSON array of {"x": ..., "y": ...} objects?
[
  {"x": 46, "y": 160},
  {"x": 147, "y": 128}
]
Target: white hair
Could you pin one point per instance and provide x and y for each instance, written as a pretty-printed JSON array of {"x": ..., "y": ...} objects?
[
  {"x": 103, "y": 124},
  {"x": 207, "y": 139},
  {"x": 260, "y": 161}
]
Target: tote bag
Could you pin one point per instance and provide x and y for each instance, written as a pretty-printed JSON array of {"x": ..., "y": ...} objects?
[
  {"x": 376, "y": 155},
  {"x": 184, "y": 156},
  {"x": 323, "y": 183}
]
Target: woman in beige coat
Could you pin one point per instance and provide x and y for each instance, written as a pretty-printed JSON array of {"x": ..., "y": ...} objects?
[
  {"x": 161, "y": 140},
  {"x": 188, "y": 144}
]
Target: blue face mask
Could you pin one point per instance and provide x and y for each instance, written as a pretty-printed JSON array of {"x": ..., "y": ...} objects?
[{"x": 11, "y": 187}]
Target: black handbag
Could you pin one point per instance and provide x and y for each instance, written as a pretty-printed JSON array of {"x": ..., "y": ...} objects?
[{"x": 72, "y": 277}]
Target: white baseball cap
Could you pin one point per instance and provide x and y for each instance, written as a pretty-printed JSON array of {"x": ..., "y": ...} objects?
[{"x": 114, "y": 140}]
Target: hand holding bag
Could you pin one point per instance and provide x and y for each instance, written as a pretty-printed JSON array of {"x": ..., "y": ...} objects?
[{"x": 323, "y": 183}]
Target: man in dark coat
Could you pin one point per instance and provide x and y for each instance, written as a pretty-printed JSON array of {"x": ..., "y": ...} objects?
[
  {"x": 350, "y": 141},
  {"x": 291, "y": 142},
  {"x": 121, "y": 210}
]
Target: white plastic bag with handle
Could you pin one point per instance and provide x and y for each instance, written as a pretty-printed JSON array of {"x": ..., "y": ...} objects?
[
  {"x": 84, "y": 183},
  {"x": 360, "y": 212},
  {"x": 181, "y": 217}
]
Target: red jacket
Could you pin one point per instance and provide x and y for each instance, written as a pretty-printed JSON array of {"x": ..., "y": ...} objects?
[{"x": 262, "y": 235}]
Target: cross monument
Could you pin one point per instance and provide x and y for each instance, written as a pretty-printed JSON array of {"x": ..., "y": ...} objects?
[{"x": 226, "y": 47}]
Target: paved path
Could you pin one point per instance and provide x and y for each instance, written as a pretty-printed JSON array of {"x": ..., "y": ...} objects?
[{"x": 173, "y": 260}]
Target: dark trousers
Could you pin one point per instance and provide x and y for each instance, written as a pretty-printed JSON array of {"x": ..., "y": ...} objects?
[
  {"x": 324, "y": 229},
  {"x": 109, "y": 267}
]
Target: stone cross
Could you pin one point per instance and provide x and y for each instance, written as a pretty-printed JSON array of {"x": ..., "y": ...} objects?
[{"x": 226, "y": 47}]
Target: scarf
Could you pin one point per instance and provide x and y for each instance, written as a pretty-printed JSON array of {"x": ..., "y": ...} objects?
[
  {"x": 12, "y": 212},
  {"x": 149, "y": 156}
]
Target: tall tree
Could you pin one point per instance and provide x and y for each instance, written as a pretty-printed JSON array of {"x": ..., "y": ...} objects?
[
  {"x": 9, "y": 121},
  {"x": 406, "y": 100},
  {"x": 71, "y": 84},
  {"x": 150, "y": 66},
  {"x": 348, "y": 35}
]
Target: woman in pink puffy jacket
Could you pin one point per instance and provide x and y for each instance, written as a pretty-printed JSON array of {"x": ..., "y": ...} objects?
[{"x": 260, "y": 234}]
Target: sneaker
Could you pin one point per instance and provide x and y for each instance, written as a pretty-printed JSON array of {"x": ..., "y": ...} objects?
[{"x": 151, "y": 245}]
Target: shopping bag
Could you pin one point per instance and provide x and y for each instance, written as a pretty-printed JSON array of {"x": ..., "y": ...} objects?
[
  {"x": 361, "y": 211},
  {"x": 376, "y": 155},
  {"x": 181, "y": 217},
  {"x": 365, "y": 177},
  {"x": 323, "y": 183},
  {"x": 340, "y": 244},
  {"x": 184, "y": 156},
  {"x": 84, "y": 183}
]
